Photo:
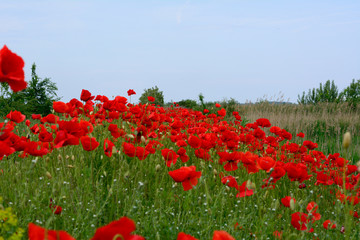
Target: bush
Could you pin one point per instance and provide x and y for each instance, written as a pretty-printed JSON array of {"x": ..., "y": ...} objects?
[
  {"x": 153, "y": 92},
  {"x": 351, "y": 94},
  {"x": 36, "y": 98},
  {"x": 327, "y": 93},
  {"x": 188, "y": 103}
]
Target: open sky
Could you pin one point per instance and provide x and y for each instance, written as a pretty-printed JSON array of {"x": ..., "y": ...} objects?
[{"x": 222, "y": 48}]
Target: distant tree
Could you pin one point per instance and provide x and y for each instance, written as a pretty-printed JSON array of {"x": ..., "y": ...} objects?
[
  {"x": 153, "y": 92},
  {"x": 201, "y": 99},
  {"x": 188, "y": 103},
  {"x": 351, "y": 94},
  {"x": 40, "y": 93},
  {"x": 36, "y": 98},
  {"x": 325, "y": 93}
]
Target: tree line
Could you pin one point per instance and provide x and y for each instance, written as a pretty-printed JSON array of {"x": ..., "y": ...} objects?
[{"x": 329, "y": 93}]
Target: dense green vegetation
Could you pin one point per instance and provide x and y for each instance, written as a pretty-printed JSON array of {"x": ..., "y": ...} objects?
[{"x": 37, "y": 98}]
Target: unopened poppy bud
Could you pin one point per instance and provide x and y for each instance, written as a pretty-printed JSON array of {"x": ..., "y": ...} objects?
[
  {"x": 227, "y": 188},
  {"x": 130, "y": 136},
  {"x": 48, "y": 175},
  {"x": 73, "y": 157},
  {"x": 358, "y": 166},
  {"x": 231, "y": 195},
  {"x": 143, "y": 139},
  {"x": 158, "y": 167},
  {"x": 70, "y": 166},
  {"x": 215, "y": 172},
  {"x": 59, "y": 157},
  {"x": 67, "y": 157},
  {"x": 346, "y": 140},
  {"x": 114, "y": 150},
  {"x": 250, "y": 185},
  {"x": 292, "y": 204}
]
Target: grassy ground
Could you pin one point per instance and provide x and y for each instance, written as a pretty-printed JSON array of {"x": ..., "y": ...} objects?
[{"x": 94, "y": 190}]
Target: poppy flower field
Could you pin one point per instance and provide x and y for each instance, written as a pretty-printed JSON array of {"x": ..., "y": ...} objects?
[{"x": 100, "y": 168}]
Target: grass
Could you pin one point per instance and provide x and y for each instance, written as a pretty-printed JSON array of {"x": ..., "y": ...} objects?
[{"x": 94, "y": 190}]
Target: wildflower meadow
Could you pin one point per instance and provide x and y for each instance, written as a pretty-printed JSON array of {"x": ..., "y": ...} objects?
[{"x": 100, "y": 168}]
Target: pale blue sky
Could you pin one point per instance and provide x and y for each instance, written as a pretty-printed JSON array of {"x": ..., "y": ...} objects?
[{"x": 223, "y": 49}]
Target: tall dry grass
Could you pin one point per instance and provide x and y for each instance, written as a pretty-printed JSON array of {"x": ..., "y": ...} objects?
[{"x": 323, "y": 123}]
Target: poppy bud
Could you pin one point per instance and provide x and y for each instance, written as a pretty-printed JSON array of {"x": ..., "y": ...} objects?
[
  {"x": 215, "y": 172},
  {"x": 59, "y": 157},
  {"x": 292, "y": 204},
  {"x": 143, "y": 139},
  {"x": 130, "y": 136},
  {"x": 70, "y": 166},
  {"x": 158, "y": 167},
  {"x": 114, "y": 150},
  {"x": 73, "y": 157},
  {"x": 250, "y": 185},
  {"x": 346, "y": 140},
  {"x": 48, "y": 175},
  {"x": 358, "y": 166}
]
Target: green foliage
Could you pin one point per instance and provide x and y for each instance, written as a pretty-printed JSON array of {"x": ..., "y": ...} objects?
[
  {"x": 351, "y": 94},
  {"x": 201, "y": 99},
  {"x": 36, "y": 98},
  {"x": 325, "y": 93},
  {"x": 229, "y": 105},
  {"x": 154, "y": 92},
  {"x": 9, "y": 224},
  {"x": 188, "y": 103}
]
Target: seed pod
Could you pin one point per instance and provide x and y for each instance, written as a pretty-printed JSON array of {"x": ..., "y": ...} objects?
[
  {"x": 292, "y": 204},
  {"x": 48, "y": 175},
  {"x": 346, "y": 140}
]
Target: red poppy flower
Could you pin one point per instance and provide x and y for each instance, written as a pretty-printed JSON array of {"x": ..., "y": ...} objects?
[
  {"x": 38, "y": 233},
  {"x": 108, "y": 147},
  {"x": 222, "y": 112},
  {"x": 183, "y": 236},
  {"x": 187, "y": 176},
  {"x": 89, "y": 144},
  {"x": 183, "y": 156},
  {"x": 222, "y": 235},
  {"x": 36, "y": 149},
  {"x": 119, "y": 229},
  {"x": 151, "y": 99},
  {"x": 244, "y": 191},
  {"x": 170, "y": 156},
  {"x": 310, "y": 145},
  {"x": 54, "y": 208},
  {"x": 299, "y": 221},
  {"x": 263, "y": 122},
  {"x": 277, "y": 173},
  {"x": 230, "y": 181},
  {"x": 231, "y": 159},
  {"x": 131, "y": 92},
  {"x": 36, "y": 116},
  {"x": 16, "y": 116},
  {"x": 11, "y": 70},
  {"x": 60, "y": 107},
  {"x": 5, "y": 149},
  {"x": 266, "y": 163},
  {"x": 194, "y": 141},
  {"x": 328, "y": 224},
  {"x": 141, "y": 153},
  {"x": 86, "y": 95},
  {"x": 217, "y": 105},
  {"x": 300, "y": 134},
  {"x": 286, "y": 201},
  {"x": 129, "y": 149}
]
